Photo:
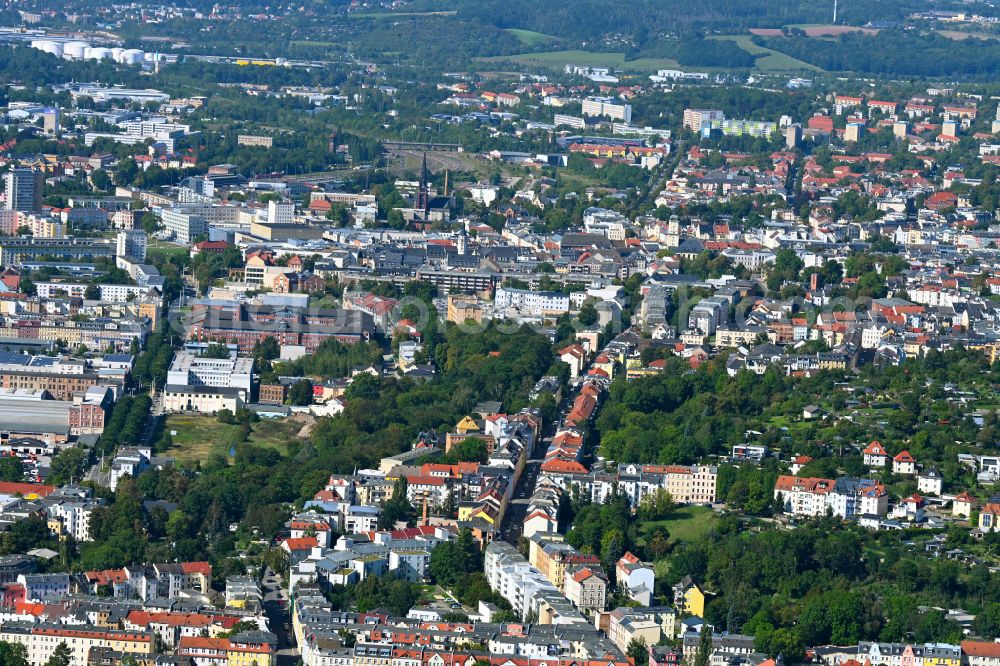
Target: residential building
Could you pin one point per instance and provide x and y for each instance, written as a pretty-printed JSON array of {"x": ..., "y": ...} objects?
[
  {"x": 41, "y": 640},
  {"x": 464, "y": 308},
  {"x": 586, "y": 586},
  {"x": 524, "y": 302},
  {"x": 607, "y": 107},
  {"x": 132, "y": 243},
  {"x": 695, "y": 118},
  {"x": 689, "y": 597},
  {"x": 23, "y": 190}
]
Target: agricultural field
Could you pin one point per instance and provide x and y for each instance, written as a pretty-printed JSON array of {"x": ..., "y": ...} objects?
[
  {"x": 559, "y": 59},
  {"x": 962, "y": 35},
  {"x": 768, "y": 60},
  {"x": 530, "y": 37}
]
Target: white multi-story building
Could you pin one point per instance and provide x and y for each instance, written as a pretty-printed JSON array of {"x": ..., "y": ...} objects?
[
  {"x": 183, "y": 226},
  {"x": 695, "y": 118},
  {"x": 846, "y": 497},
  {"x": 190, "y": 370},
  {"x": 131, "y": 243},
  {"x": 694, "y": 484},
  {"x": 525, "y": 587},
  {"x": 607, "y": 107},
  {"x": 280, "y": 212},
  {"x": 130, "y": 461},
  {"x": 186, "y": 221},
  {"x": 530, "y": 303},
  {"x": 74, "y": 515},
  {"x": 109, "y": 293},
  {"x": 38, "y": 586}
]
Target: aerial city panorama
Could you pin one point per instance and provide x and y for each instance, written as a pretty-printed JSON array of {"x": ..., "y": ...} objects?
[{"x": 499, "y": 333}]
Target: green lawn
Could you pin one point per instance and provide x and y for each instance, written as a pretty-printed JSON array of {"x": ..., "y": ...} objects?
[
  {"x": 200, "y": 435},
  {"x": 164, "y": 248},
  {"x": 688, "y": 523},
  {"x": 768, "y": 60},
  {"x": 530, "y": 37}
]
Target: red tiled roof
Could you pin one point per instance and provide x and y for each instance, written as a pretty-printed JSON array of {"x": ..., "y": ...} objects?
[
  {"x": 981, "y": 649},
  {"x": 301, "y": 543},
  {"x": 13, "y": 488}
]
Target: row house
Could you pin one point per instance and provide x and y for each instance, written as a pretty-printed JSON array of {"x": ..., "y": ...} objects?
[
  {"x": 846, "y": 497},
  {"x": 905, "y": 654}
]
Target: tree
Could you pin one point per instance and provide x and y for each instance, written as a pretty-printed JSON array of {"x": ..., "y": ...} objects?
[
  {"x": 471, "y": 449},
  {"x": 267, "y": 349},
  {"x": 397, "y": 508},
  {"x": 612, "y": 547},
  {"x": 13, "y": 654},
  {"x": 149, "y": 222},
  {"x": 656, "y": 506},
  {"x": 988, "y": 621},
  {"x": 638, "y": 651},
  {"x": 216, "y": 350},
  {"x": 239, "y": 628},
  {"x": 451, "y": 560},
  {"x": 61, "y": 656},
  {"x": 301, "y": 393},
  {"x": 101, "y": 180},
  {"x": 11, "y": 469},
  {"x": 92, "y": 292},
  {"x": 588, "y": 314},
  {"x": 67, "y": 465},
  {"x": 704, "y": 655},
  {"x": 395, "y": 219}
]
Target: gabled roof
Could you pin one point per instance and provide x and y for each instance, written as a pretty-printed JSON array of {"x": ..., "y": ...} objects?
[{"x": 875, "y": 449}]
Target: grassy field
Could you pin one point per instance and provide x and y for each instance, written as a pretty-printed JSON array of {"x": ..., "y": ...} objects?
[
  {"x": 530, "y": 37},
  {"x": 163, "y": 247},
  {"x": 827, "y": 30},
  {"x": 275, "y": 433},
  {"x": 318, "y": 45},
  {"x": 200, "y": 435},
  {"x": 689, "y": 523},
  {"x": 768, "y": 60},
  {"x": 559, "y": 59}
]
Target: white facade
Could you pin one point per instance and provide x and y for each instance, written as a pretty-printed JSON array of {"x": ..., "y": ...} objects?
[
  {"x": 280, "y": 212},
  {"x": 606, "y": 106},
  {"x": 132, "y": 243},
  {"x": 190, "y": 370},
  {"x": 532, "y": 303}
]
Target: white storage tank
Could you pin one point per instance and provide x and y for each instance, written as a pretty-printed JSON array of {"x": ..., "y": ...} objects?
[
  {"x": 116, "y": 53},
  {"x": 75, "y": 50},
  {"x": 98, "y": 53},
  {"x": 132, "y": 56},
  {"x": 49, "y": 46}
]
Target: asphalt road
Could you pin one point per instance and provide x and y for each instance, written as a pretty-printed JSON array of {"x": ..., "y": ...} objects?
[{"x": 279, "y": 619}]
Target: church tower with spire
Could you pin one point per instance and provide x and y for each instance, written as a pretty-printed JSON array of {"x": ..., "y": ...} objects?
[{"x": 423, "y": 194}]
